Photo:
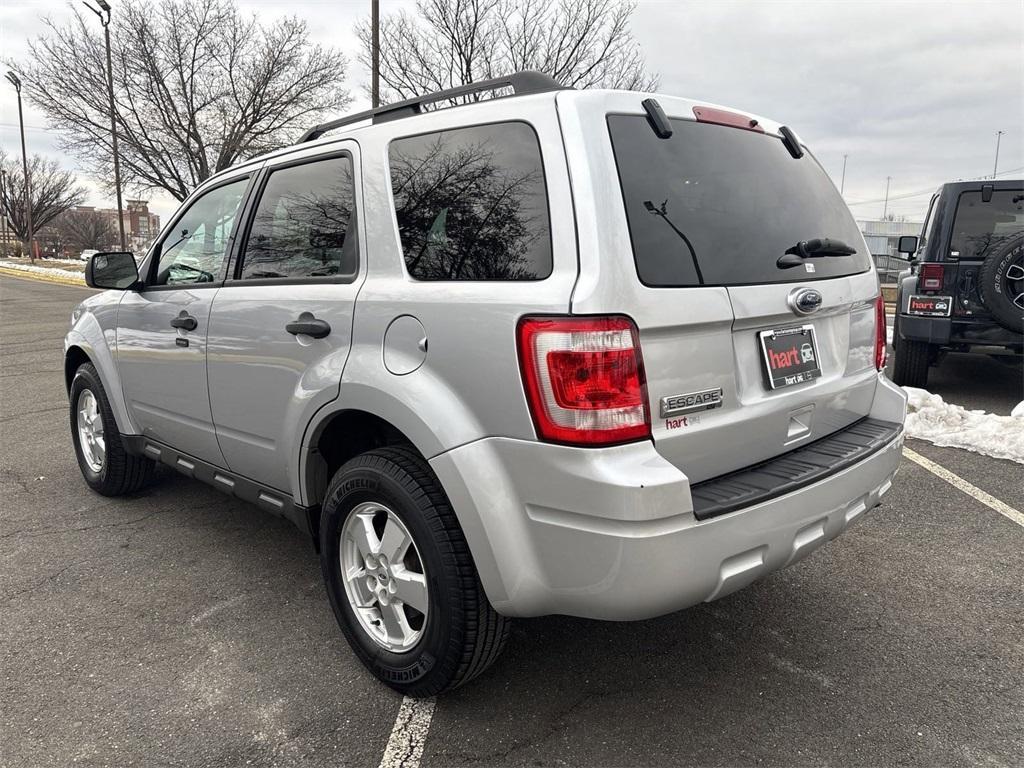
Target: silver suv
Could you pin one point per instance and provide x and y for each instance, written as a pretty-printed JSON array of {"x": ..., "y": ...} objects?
[{"x": 596, "y": 353}]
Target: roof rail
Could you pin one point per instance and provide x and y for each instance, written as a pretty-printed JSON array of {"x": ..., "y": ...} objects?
[{"x": 520, "y": 82}]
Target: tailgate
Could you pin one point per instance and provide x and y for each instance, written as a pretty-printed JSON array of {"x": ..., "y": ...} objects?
[
  {"x": 707, "y": 435},
  {"x": 727, "y": 226}
]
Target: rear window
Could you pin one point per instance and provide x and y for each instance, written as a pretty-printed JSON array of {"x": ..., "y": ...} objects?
[
  {"x": 471, "y": 204},
  {"x": 980, "y": 227},
  {"x": 727, "y": 201}
]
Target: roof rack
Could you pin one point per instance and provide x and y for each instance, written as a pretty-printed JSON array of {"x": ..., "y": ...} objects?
[{"x": 520, "y": 83}]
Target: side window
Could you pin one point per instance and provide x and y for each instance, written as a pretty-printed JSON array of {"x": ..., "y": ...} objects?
[
  {"x": 194, "y": 249},
  {"x": 471, "y": 204},
  {"x": 301, "y": 225}
]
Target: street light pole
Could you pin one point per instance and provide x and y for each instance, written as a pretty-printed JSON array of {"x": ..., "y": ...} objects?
[
  {"x": 16, "y": 82},
  {"x": 3, "y": 207},
  {"x": 995, "y": 168},
  {"x": 375, "y": 53},
  {"x": 842, "y": 184},
  {"x": 104, "y": 17},
  {"x": 885, "y": 209}
]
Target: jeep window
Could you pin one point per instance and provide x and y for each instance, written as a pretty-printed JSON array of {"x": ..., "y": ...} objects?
[
  {"x": 301, "y": 225},
  {"x": 194, "y": 249},
  {"x": 471, "y": 204},
  {"x": 725, "y": 204},
  {"x": 979, "y": 227}
]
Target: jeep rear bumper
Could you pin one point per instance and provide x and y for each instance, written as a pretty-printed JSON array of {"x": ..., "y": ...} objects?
[
  {"x": 949, "y": 332},
  {"x": 611, "y": 534}
]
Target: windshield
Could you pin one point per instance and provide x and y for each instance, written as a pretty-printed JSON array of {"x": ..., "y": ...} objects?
[
  {"x": 713, "y": 205},
  {"x": 979, "y": 226}
]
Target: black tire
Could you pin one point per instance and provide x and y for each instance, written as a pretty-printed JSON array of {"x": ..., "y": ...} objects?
[
  {"x": 1001, "y": 282},
  {"x": 462, "y": 634},
  {"x": 910, "y": 360},
  {"x": 121, "y": 473}
]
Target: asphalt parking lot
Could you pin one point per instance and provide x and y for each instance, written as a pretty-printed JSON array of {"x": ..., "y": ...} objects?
[{"x": 181, "y": 627}]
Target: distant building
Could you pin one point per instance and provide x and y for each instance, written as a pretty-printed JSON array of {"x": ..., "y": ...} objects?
[
  {"x": 882, "y": 236},
  {"x": 140, "y": 226}
]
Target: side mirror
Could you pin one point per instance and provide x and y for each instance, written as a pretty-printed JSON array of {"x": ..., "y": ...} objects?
[
  {"x": 116, "y": 270},
  {"x": 907, "y": 244}
]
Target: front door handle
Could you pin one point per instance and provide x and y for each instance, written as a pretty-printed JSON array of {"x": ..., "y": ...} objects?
[
  {"x": 185, "y": 320},
  {"x": 307, "y": 325}
]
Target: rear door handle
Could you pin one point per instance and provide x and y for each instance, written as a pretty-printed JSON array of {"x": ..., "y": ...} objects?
[
  {"x": 185, "y": 320},
  {"x": 307, "y": 325}
]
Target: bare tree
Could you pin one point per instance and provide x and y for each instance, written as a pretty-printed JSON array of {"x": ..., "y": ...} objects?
[
  {"x": 581, "y": 43},
  {"x": 54, "y": 191},
  {"x": 198, "y": 86},
  {"x": 87, "y": 229}
]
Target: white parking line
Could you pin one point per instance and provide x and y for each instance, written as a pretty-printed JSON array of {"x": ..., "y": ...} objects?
[
  {"x": 958, "y": 482},
  {"x": 405, "y": 747}
]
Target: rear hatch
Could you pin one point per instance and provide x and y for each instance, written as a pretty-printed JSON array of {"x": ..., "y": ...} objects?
[{"x": 710, "y": 210}]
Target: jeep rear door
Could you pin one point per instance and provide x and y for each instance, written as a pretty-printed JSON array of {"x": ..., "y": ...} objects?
[{"x": 693, "y": 226}]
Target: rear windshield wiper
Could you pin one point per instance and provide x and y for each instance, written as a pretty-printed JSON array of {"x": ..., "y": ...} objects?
[{"x": 812, "y": 249}]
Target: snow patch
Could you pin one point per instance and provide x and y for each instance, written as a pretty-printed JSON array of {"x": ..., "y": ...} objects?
[
  {"x": 930, "y": 418},
  {"x": 50, "y": 271}
]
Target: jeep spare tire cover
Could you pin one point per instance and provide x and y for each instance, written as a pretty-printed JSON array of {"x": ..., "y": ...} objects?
[{"x": 1002, "y": 283}]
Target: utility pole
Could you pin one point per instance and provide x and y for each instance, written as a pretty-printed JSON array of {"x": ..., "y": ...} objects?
[
  {"x": 995, "y": 168},
  {"x": 885, "y": 209},
  {"x": 104, "y": 17},
  {"x": 842, "y": 184},
  {"x": 375, "y": 53},
  {"x": 16, "y": 82},
  {"x": 3, "y": 207}
]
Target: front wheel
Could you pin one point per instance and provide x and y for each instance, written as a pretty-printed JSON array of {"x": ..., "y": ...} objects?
[
  {"x": 400, "y": 577},
  {"x": 910, "y": 360},
  {"x": 106, "y": 466}
]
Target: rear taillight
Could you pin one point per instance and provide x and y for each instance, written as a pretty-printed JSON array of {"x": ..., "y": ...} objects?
[
  {"x": 932, "y": 276},
  {"x": 880, "y": 333},
  {"x": 584, "y": 379}
]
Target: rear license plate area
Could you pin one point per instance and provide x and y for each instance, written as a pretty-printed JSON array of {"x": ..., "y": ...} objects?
[
  {"x": 930, "y": 306},
  {"x": 789, "y": 356}
]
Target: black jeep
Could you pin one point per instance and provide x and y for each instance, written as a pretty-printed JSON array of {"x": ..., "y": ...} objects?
[{"x": 965, "y": 287}]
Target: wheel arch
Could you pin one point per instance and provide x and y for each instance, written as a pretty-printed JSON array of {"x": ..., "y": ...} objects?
[{"x": 77, "y": 351}]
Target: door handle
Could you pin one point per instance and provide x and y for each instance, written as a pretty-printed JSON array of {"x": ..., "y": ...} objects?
[
  {"x": 307, "y": 325},
  {"x": 185, "y": 320}
]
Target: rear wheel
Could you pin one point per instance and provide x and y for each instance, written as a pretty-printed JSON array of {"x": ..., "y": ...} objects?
[
  {"x": 910, "y": 360},
  {"x": 400, "y": 576},
  {"x": 106, "y": 466}
]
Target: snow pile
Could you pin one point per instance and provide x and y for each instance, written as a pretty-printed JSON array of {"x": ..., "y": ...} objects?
[
  {"x": 48, "y": 271},
  {"x": 930, "y": 418}
]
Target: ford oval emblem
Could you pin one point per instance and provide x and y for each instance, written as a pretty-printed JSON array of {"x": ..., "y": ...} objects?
[{"x": 804, "y": 301}]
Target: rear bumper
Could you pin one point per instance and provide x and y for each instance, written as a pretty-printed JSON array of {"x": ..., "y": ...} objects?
[
  {"x": 945, "y": 331},
  {"x": 611, "y": 534}
]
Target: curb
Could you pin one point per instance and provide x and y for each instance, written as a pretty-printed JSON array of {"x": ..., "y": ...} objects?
[{"x": 78, "y": 283}]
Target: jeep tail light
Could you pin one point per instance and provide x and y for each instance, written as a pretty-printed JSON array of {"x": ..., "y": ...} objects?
[
  {"x": 584, "y": 379},
  {"x": 932, "y": 276},
  {"x": 880, "y": 333}
]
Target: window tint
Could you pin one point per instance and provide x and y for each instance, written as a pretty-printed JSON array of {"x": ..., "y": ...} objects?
[
  {"x": 194, "y": 250},
  {"x": 980, "y": 227},
  {"x": 471, "y": 204},
  {"x": 714, "y": 205},
  {"x": 301, "y": 224}
]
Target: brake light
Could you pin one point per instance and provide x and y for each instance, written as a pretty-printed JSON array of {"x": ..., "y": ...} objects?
[
  {"x": 880, "y": 334},
  {"x": 932, "y": 276},
  {"x": 584, "y": 379}
]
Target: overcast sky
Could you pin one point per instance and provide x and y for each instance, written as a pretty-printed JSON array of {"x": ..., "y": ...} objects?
[{"x": 915, "y": 90}]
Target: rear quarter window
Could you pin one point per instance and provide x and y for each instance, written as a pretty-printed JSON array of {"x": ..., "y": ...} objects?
[{"x": 471, "y": 203}]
